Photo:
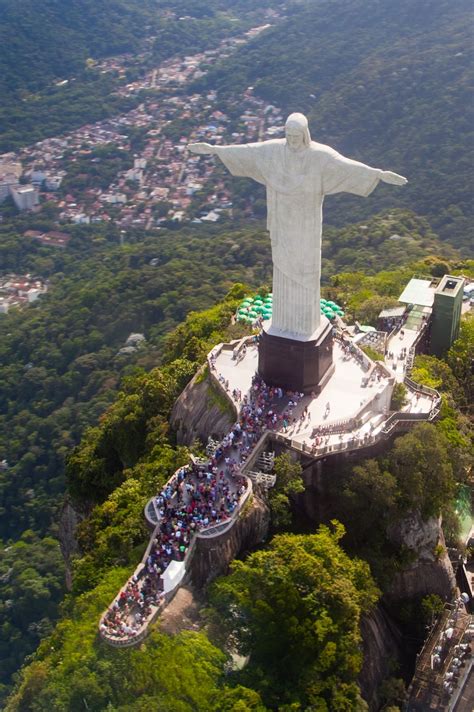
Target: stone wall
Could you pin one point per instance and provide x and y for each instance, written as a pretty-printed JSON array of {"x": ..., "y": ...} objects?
[{"x": 213, "y": 555}]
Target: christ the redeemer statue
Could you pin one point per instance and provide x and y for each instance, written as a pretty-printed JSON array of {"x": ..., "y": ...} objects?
[{"x": 297, "y": 173}]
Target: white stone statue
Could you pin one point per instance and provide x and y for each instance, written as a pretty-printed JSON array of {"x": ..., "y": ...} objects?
[{"x": 297, "y": 173}]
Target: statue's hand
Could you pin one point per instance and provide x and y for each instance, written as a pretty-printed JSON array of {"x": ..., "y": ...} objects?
[
  {"x": 201, "y": 148},
  {"x": 393, "y": 178}
]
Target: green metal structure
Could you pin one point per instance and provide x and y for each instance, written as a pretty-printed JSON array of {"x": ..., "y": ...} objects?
[{"x": 446, "y": 314}]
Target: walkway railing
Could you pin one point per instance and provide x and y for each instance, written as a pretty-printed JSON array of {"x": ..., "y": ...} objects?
[
  {"x": 417, "y": 387},
  {"x": 412, "y": 350},
  {"x": 161, "y": 599}
]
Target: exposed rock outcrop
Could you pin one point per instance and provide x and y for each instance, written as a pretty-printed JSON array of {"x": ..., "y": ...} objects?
[
  {"x": 68, "y": 522},
  {"x": 381, "y": 645},
  {"x": 182, "y": 613},
  {"x": 200, "y": 412},
  {"x": 431, "y": 572}
]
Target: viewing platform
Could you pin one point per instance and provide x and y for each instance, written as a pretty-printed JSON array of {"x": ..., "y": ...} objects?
[
  {"x": 200, "y": 500},
  {"x": 352, "y": 411}
]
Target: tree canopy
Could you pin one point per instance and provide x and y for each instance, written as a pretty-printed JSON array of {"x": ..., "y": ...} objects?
[{"x": 295, "y": 608}]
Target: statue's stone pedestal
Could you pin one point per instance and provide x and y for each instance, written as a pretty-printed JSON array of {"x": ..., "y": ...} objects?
[{"x": 303, "y": 366}]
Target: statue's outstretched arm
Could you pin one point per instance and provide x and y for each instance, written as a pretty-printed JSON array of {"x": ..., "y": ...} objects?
[
  {"x": 202, "y": 148},
  {"x": 241, "y": 160},
  {"x": 393, "y": 178}
]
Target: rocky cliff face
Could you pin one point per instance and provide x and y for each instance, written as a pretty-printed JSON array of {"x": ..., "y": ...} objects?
[
  {"x": 68, "y": 522},
  {"x": 213, "y": 556},
  {"x": 200, "y": 412},
  {"x": 431, "y": 572},
  {"x": 382, "y": 646}
]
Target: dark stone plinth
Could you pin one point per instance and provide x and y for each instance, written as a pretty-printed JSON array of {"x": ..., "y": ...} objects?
[{"x": 303, "y": 366}]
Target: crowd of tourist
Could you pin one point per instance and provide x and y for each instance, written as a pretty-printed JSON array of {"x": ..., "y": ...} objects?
[{"x": 197, "y": 497}]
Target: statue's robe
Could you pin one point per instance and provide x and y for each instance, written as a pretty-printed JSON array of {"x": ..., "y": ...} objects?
[{"x": 296, "y": 184}]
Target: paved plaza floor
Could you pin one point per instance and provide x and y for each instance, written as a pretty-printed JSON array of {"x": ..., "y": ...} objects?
[
  {"x": 347, "y": 392},
  {"x": 344, "y": 391},
  {"x": 395, "y": 346}
]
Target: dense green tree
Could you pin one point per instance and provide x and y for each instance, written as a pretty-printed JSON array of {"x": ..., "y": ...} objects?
[
  {"x": 461, "y": 357},
  {"x": 31, "y": 588},
  {"x": 295, "y": 608},
  {"x": 72, "y": 670},
  {"x": 370, "y": 496},
  {"x": 288, "y": 482},
  {"x": 423, "y": 469}
]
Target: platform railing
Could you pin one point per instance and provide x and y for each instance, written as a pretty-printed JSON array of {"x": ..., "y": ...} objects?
[{"x": 212, "y": 531}]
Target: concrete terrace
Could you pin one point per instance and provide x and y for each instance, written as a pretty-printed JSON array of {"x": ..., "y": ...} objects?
[
  {"x": 168, "y": 555},
  {"x": 358, "y": 394},
  {"x": 345, "y": 390},
  {"x": 395, "y": 346}
]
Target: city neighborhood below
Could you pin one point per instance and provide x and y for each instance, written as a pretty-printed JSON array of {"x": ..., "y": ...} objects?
[{"x": 163, "y": 181}]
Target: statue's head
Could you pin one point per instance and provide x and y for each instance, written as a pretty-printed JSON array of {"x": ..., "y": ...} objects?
[{"x": 297, "y": 132}]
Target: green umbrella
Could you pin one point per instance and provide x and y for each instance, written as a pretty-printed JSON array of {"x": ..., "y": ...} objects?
[
  {"x": 340, "y": 313},
  {"x": 323, "y": 301},
  {"x": 331, "y": 304},
  {"x": 266, "y": 316}
]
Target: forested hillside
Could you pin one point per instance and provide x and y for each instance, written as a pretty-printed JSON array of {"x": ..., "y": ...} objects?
[
  {"x": 51, "y": 39},
  {"x": 48, "y": 41},
  {"x": 45, "y": 43},
  {"x": 59, "y": 358},
  {"x": 61, "y": 368},
  {"x": 386, "y": 83},
  {"x": 301, "y": 596}
]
